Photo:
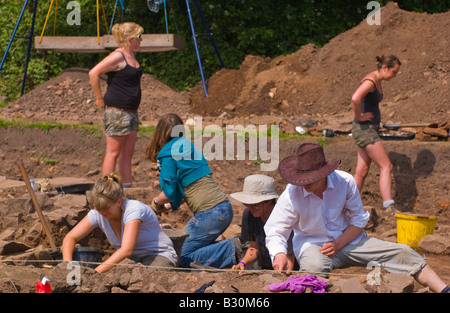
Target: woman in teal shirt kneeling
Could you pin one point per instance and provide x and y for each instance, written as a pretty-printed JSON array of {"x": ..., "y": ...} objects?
[{"x": 185, "y": 175}]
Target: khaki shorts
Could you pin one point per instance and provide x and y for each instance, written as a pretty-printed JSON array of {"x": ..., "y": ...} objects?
[
  {"x": 365, "y": 134},
  {"x": 120, "y": 122}
]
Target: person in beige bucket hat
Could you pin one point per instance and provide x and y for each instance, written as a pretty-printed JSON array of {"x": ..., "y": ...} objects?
[
  {"x": 257, "y": 188},
  {"x": 259, "y": 196}
]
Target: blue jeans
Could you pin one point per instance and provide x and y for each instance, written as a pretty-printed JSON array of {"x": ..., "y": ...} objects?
[{"x": 203, "y": 229}]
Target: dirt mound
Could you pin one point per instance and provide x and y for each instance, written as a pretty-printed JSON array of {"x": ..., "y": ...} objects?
[
  {"x": 310, "y": 83},
  {"x": 68, "y": 98},
  {"x": 318, "y": 81}
]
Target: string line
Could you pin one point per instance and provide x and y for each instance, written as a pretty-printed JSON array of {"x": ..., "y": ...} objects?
[{"x": 184, "y": 269}]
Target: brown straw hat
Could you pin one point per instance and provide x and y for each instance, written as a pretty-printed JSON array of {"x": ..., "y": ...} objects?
[{"x": 307, "y": 166}]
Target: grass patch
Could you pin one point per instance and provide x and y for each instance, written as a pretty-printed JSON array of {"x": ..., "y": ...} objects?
[
  {"x": 94, "y": 129},
  {"x": 45, "y": 126}
]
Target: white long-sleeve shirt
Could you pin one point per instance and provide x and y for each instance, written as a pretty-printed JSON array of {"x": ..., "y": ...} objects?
[{"x": 315, "y": 220}]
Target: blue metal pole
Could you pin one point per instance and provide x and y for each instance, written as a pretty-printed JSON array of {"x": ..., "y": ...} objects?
[
  {"x": 165, "y": 16},
  {"x": 13, "y": 34},
  {"x": 30, "y": 40},
  {"x": 112, "y": 19},
  {"x": 196, "y": 47},
  {"x": 208, "y": 32}
]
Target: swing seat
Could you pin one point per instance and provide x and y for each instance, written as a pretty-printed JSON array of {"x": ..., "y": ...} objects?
[{"x": 106, "y": 43}]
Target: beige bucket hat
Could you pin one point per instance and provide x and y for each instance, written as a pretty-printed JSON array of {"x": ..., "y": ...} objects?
[{"x": 257, "y": 188}]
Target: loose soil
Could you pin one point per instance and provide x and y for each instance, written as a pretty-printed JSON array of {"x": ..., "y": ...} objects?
[{"x": 312, "y": 84}]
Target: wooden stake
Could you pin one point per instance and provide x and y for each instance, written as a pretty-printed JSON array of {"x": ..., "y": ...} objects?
[{"x": 36, "y": 205}]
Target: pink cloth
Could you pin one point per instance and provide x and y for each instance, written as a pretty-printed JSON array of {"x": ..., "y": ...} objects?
[{"x": 298, "y": 284}]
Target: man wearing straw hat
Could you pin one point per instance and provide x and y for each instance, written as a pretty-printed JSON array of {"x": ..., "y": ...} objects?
[
  {"x": 259, "y": 196},
  {"x": 323, "y": 207}
]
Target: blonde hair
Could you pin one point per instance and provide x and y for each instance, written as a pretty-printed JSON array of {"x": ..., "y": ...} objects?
[
  {"x": 106, "y": 191},
  {"x": 123, "y": 31},
  {"x": 163, "y": 134}
]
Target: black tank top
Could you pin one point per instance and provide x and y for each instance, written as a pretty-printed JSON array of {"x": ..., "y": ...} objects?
[
  {"x": 370, "y": 103},
  {"x": 124, "y": 87}
]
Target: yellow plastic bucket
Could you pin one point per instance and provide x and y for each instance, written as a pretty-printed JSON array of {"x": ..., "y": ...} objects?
[{"x": 412, "y": 228}]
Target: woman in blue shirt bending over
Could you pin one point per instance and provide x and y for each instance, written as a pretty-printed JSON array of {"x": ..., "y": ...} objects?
[{"x": 185, "y": 175}]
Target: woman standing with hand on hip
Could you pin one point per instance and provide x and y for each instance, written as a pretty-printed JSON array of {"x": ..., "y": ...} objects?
[
  {"x": 365, "y": 103},
  {"x": 121, "y": 100}
]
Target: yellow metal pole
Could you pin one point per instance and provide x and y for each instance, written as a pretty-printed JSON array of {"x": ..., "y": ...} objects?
[
  {"x": 98, "y": 25},
  {"x": 46, "y": 19},
  {"x": 104, "y": 15}
]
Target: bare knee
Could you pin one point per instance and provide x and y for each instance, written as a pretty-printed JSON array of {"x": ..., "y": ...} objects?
[
  {"x": 112, "y": 154},
  {"x": 362, "y": 171},
  {"x": 386, "y": 167}
]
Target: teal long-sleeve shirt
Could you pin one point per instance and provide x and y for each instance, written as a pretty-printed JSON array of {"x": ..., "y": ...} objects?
[{"x": 181, "y": 164}]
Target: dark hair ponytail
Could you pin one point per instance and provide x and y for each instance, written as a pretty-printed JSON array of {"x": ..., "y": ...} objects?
[{"x": 390, "y": 61}]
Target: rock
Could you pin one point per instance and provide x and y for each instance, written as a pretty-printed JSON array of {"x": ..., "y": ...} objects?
[
  {"x": 399, "y": 283},
  {"x": 138, "y": 193},
  {"x": 117, "y": 290},
  {"x": 373, "y": 219},
  {"x": 9, "y": 247},
  {"x": 93, "y": 172},
  {"x": 125, "y": 279},
  {"x": 27, "y": 257},
  {"x": 382, "y": 288},
  {"x": 70, "y": 201},
  {"x": 400, "y": 98},
  {"x": 268, "y": 279},
  {"x": 438, "y": 132},
  {"x": 110, "y": 279},
  {"x": 137, "y": 275},
  {"x": 435, "y": 244},
  {"x": 64, "y": 215},
  {"x": 351, "y": 285},
  {"x": 154, "y": 288},
  {"x": 135, "y": 288},
  {"x": 230, "y": 107},
  {"x": 434, "y": 132},
  {"x": 214, "y": 289}
]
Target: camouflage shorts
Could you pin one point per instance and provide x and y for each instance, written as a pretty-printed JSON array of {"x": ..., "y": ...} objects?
[
  {"x": 365, "y": 134},
  {"x": 119, "y": 122}
]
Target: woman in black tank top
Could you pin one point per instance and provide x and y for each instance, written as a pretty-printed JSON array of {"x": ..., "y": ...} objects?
[
  {"x": 365, "y": 103},
  {"x": 121, "y": 100}
]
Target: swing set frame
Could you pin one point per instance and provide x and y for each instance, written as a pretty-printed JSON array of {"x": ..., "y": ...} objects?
[{"x": 98, "y": 44}]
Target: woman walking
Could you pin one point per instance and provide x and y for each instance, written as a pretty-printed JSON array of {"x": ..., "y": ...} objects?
[{"x": 365, "y": 127}]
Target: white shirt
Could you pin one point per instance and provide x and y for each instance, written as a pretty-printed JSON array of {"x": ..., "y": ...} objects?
[
  {"x": 151, "y": 239},
  {"x": 315, "y": 220}
]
